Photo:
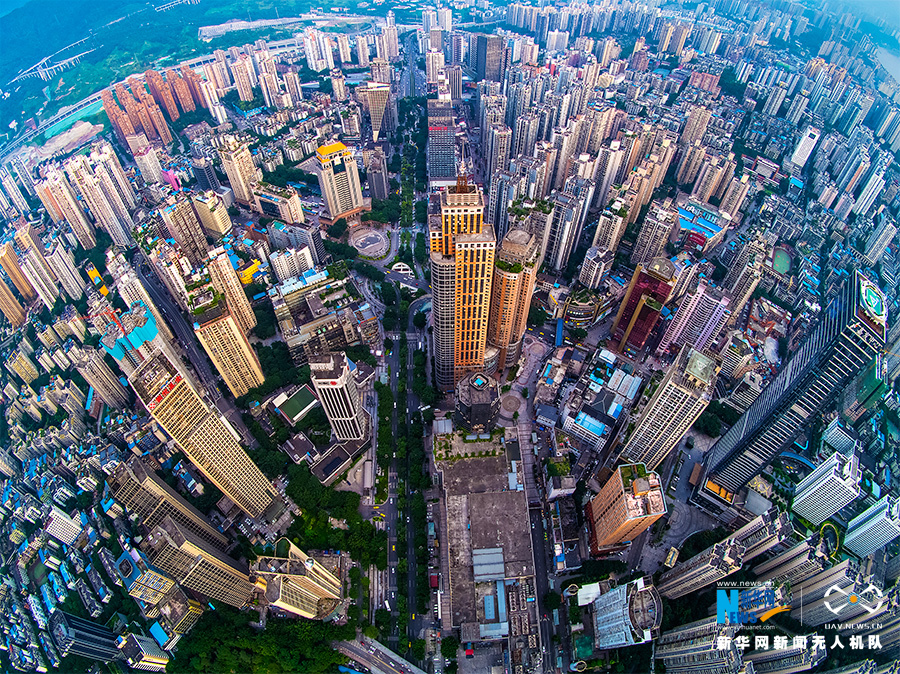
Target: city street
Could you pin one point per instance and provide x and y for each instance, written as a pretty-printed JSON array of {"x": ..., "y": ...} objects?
[{"x": 188, "y": 343}]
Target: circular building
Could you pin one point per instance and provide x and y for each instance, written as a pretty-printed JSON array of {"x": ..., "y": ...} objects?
[{"x": 477, "y": 403}]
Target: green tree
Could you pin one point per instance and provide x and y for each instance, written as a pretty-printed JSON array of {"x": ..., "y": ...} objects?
[
  {"x": 420, "y": 320},
  {"x": 449, "y": 647},
  {"x": 537, "y": 316},
  {"x": 418, "y": 649},
  {"x": 552, "y": 601}
]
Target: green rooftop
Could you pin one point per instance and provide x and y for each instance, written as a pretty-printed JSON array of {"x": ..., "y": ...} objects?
[{"x": 296, "y": 407}]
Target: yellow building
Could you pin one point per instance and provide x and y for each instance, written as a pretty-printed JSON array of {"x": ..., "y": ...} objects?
[
  {"x": 515, "y": 270},
  {"x": 629, "y": 502},
  {"x": 462, "y": 263},
  {"x": 228, "y": 348},
  {"x": 201, "y": 434},
  {"x": 339, "y": 181}
]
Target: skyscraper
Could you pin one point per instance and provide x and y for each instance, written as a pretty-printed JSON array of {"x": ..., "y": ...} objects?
[
  {"x": 40, "y": 276},
  {"x": 77, "y": 636},
  {"x": 90, "y": 364},
  {"x": 596, "y": 265},
  {"x": 626, "y": 615},
  {"x": 240, "y": 169},
  {"x": 488, "y": 57},
  {"x": 653, "y": 235},
  {"x": 849, "y": 335},
  {"x": 462, "y": 261},
  {"x": 377, "y": 95},
  {"x": 201, "y": 434},
  {"x": 226, "y": 345},
  {"x": 59, "y": 199},
  {"x": 828, "y": 488},
  {"x": 714, "y": 563},
  {"x": 337, "y": 391},
  {"x": 142, "y": 653},
  {"x": 205, "y": 174},
  {"x": 695, "y": 648},
  {"x": 298, "y": 584},
  {"x": 639, "y": 312},
  {"x": 196, "y": 565},
  {"x": 63, "y": 266},
  {"x": 805, "y": 146},
  {"x": 339, "y": 180},
  {"x": 515, "y": 270},
  {"x": 226, "y": 282},
  {"x": 680, "y": 398},
  {"x": 10, "y": 306},
  {"x": 362, "y": 51},
  {"x": 695, "y": 125},
  {"x": 698, "y": 321},
  {"x": 150, "y": 500},
  {"x": 875, "y": 528},
  {"x": 630, "y": 501},
  {"x": 10, "y": 264},
  {"x": 880, "y": 238},
  {"x": 184, "y": 227}
]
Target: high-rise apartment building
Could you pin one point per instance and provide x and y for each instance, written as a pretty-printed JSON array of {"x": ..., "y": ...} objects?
[
  {"x": 596, "y": 266},
  {"x": 654, "y": 234},
  {"x": 796, "y": 564},
  {"x": 40, "y": 276},
  {"x": 201, "y": 434},
  {"x": 227, "y": 346},
  {"x": 610, "y": 228},
  {"x": 62, "y": 526},
  {"x": 362, "y": 51},
  {"x": 698, "y": 321},
  {"x": 61, "y": 262},
  {"x": 849, "y": 335},
  {"x": 213, "y": 214},
  {"x": 10, "y": 264},
  {"x": 462, "y": 262},
  {"x": 515, "y": 270},
  {"x": 795, "y": 658},
  {"x": 339, "y": 395},
  {"x": 59, "y": 199},
  {"x": 150, "y": 500},
  {"x": 630, "y": 501},
  {"x": 90, "y": 364},
  {"x": 10, "y": 306},
  {"x": 639, "y": 312},
  {"x": 878, "y": 241},
  {"x": 709, "y": 566},
  {"x": 142, "y": 653},
  {"x": 696, "y": 648},
  {"x": 339, "y": 180},
  {"x": 875, "y": 528},
  {"x": 240, "y": 169},
  {"x": 805, "y": 146},
  {"x": 290, "y": 263},
  {"x": 184, "y": 227},
  {"x": 627, "y": 615},
  {"x": 226, "y": 282},
  {"x": 297, "y": 583},
  {"x": 695, "y": 125},
  {"x": 196, "y": 565},
  {"x": 828, "y": 488},
  {"x": 77, "y": 636},
  {"x": 735, "y": 195},
  {"x": 678, "y": 401}
]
